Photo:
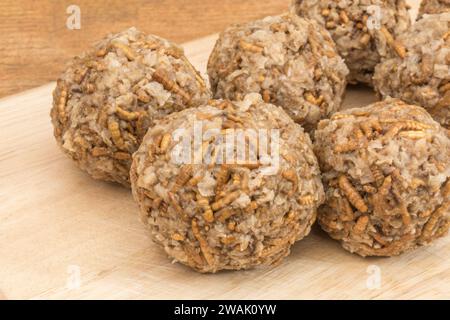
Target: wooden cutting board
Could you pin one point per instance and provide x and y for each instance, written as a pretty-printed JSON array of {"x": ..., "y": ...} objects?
[{"x": 64, "y": 235}]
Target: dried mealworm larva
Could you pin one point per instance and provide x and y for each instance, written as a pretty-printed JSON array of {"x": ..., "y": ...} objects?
[
  {"x": 170, "y": 85},
  {"x": 291, "y": 175},
  {"x": 397, "y": 196},
  {"x": 111, "y": 89},
  {"x": 246, "y": 46},
  {"x": 352, "y": 195},
  {"x": 183, "y": 177},
  {"x": 127, "y": 51},
  {"x": 229, "y": 215},
  {"x": 359, "y": 41},
  {"x": 426, "y": 85},
  {"x": 278, "y": 65}
]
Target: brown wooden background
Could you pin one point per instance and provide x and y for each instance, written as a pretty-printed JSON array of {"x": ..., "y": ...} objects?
[{"x": 35, "y": 42}]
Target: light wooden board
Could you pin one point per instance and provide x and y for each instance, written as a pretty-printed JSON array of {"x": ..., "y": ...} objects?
[{"x": 57, "y": 223}]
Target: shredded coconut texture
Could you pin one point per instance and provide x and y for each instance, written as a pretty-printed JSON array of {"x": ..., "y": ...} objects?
[
  {"x": 386, "y": 172},
  {"x": 433, "y": 7},
  {"x": 214, "y": 215},
  {"x": 292, "y": 62},
  {"x": 108, "y": 97},
  {"x": 364, "y": 30},
  {"x": 422, "y": 77}
]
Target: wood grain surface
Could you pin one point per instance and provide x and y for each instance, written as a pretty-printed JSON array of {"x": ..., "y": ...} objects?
[
  {"x": 35, "y": 42},
  {"x": 64, "y": 235}
]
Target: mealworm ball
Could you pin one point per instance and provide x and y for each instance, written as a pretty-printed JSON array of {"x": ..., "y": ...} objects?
[
  {"x": 433, "y": 7},
  {"x": 108, "y": 97},
  {"x": 226, "y": 211},
  {"x": 364, "y": 30},
  {"x": 386, "y": 174},
  {"x": 290, "y": 61},
  {"x": 422, "y": 76}
]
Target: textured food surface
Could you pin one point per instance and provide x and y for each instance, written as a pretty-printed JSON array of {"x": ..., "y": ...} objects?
[
  {"x": 215, "y": 215},
  {"x": 364, "y": 30},
  {"x": 386, "y": 172},
  {"x": 108, "y": 97},
  {"x": 422, "y": 77},
  {"x": 433, "y": 7},
  {"x": 290, "y": 61}
]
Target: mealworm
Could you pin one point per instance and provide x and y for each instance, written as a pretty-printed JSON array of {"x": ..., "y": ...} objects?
[
  {"x": 208, "y": 214},
  {"x": 225, "y": 201},
  {"x": 126, "y": 115},
  {"x": 307, "y": 200},
  {"x": 369, "y": 127},
  {"x": 428, "y": 229},
  {"x": 346, "y": 210},
  {"x": 406, "y": 217},
  {"x": 365, "y": 39},
  {"x": 122, "y": 156},
  {"x": 344, "y": 17},
  {"x": 114, "y": 129},
  {"x": 312, "y": 99},
  {"x": 266, "y": 96},
  {"x": 99, "y": 152},
  {"x": 165, "y": 143},
  {"x": 341, "y": 116},
  {"x": 183, "y": 177},
  {"x": 227, "y": 240},
  {"x": 195, "y": 180},
  {"x": 125, "y": 49},
  {"x": 251, "y": 207},
  {"x": 244, "y": 182},
  {"x": 231, "y": 225},
  {"x": 224, "y": 214},
  {"x": 246, "y": 46},
  {"x": 353, "y": 196},
  {"x": 177, "y": 237},
  {"x": 392, "y": 132},
  {"x": 397, "y": 46},
  {"x": 63, "y": 97},
  {"x": 377, "y": 175},
  {"x": 204, "y": 247},
  {"x": 414, "y": 135},
  {"x": 361, "y": 225},
  {"x": 446, "y": 190},
  {"x": 370, "y": 189},
  {"x": 160, "y": 76},
  {"x": 350, "y": 146},
  {"x": 222, "y": 177},
  {"x": 177, "y": 207},
  {"x": 291, "y": 175}
]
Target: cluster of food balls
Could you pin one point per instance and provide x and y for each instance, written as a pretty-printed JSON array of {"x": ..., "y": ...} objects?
[{"x": 230, "y": 174}]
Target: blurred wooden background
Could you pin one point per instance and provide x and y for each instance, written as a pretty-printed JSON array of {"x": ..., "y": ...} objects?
[{"x": 35, "y": 42}]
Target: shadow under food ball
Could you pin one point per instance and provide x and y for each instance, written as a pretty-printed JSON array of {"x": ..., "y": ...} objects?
[
  {"x": 386, "y": 174},
  {"x": 108, "y": 97},
  {"x": 292, "y": 62},
  {"x": 217, "y": 213},
  {"x": 364, "y": 31}
]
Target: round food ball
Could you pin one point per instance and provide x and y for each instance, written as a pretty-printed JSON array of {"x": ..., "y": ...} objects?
[
  {"x": 386, "y": 173},
  {"x": 108, "y": 97},
  {"x": 213, "y": 209},
  {"x": 364, "y": 30},
  {"x": 433, "y": 7},
  {"x": 422, "y": 76},
  {"x": 292, "y": 62}
]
